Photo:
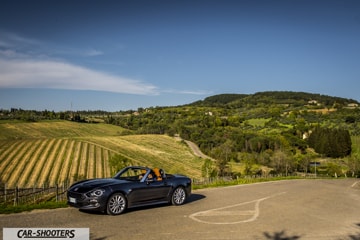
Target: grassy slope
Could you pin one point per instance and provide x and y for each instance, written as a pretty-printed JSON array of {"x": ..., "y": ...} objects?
[
  {"x": 154, "y": 151},
  {"x": 98, "y": 141},
  {"x": 55, "y": 129}
]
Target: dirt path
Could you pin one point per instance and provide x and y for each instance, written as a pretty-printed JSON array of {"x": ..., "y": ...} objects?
[{"x": 196, "y": 150}]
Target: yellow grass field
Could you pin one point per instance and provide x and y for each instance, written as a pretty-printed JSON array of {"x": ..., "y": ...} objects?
[{"x": 49, "y": 153}]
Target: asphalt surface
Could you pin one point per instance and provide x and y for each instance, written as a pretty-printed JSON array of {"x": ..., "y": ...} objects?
[{"x": 295, "y": 209}]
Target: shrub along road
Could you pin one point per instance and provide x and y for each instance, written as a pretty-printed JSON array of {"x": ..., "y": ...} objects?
[{"x": 295, "y": 209}]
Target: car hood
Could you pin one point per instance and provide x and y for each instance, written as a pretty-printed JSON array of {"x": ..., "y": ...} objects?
[{"x": 88, "y": 185}]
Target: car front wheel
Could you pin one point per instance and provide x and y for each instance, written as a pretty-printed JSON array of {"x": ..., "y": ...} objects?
[
  {"x": 178, "y": 197},
  {"x": 116, "y": 204}
]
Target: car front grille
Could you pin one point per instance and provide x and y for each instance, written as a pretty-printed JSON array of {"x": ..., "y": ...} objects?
[{"x": 76, "y": 195}]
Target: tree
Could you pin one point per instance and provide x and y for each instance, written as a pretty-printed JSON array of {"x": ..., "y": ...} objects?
[
  {"x": 248, "y": 160},
  {"x": 331, "y": 142},
  {"x": 303, "y": 159},
  {"x": 118, "y": 162},
  {"x": 350, "y": 119},
  {"x": 223, "y": 154},
  {"x": 207, "y": 169},
  {"x": 281, "y": 162},
  {"x": 354, "y": 166}
]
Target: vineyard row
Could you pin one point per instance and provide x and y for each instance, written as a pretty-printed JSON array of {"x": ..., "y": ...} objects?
[{"x": 35, "y": 163}]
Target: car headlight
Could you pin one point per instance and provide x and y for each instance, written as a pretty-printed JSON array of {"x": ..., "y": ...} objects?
[{"x": 96, "y": 193}]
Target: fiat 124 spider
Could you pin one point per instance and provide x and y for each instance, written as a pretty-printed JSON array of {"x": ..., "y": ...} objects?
[{"x": 131, "y": 187}]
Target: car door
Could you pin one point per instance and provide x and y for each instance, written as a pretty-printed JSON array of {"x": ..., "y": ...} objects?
[
  {"x": 150, "y": 190},
  {"x": 137, "y": 194},
  {"x": 157, "y": 190}
]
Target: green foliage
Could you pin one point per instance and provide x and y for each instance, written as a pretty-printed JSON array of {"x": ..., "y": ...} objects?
[
  {"x": 334, "y": 170},
  {"x": 7, "y": 209},
  {"x": 118, "y": 162},
  {"x": 331, "y": 142},
  {"x": 270, "y": 97},
  {"x": 207, "y": 169},
  {"x": 220, "y": 99},
  {"x": 353, "y": 164}
]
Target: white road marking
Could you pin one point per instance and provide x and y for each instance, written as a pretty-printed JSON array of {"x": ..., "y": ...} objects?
[
  {"x": 355, "y": 183},
  {"x": 218, "y": 212}
]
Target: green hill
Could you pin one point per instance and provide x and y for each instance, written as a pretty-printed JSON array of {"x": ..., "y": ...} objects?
[{"x": 272, "y": 97}]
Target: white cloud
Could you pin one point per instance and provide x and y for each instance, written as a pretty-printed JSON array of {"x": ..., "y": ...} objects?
[
  {"x": 93, "y": 52},
  {"x": 30, "y": 63},
  {"x": 27, "y": 73}
]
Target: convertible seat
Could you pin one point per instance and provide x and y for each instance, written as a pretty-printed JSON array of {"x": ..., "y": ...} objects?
[
  {"x": 142, "y": 174},
  {"x": 157, "y": 174}
]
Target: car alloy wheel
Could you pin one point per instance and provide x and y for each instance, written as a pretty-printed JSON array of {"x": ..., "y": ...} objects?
[
  {"x": 178, "y": 196},
  {"x": 116, "y": 204}
]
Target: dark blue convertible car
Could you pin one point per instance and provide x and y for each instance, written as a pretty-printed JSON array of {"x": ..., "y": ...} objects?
[{"x": 131, "y": 187}]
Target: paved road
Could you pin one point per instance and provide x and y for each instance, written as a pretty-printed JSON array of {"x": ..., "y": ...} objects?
[{"x": 296, "y": 209}]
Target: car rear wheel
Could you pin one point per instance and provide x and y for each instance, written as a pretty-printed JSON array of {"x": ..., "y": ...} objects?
[
  {"x": 178, "y": 197},
  {"x": 116, "y": 204}
]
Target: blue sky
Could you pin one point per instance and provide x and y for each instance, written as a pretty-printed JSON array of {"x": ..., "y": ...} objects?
[{"x": 120, "y": 55}]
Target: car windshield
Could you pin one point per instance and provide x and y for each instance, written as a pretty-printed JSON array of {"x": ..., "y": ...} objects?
[{"x": 131, "y": 174}]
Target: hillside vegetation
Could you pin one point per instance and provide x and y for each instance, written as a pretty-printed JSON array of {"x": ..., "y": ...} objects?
[
  {"x": 262, "y": 133},
  {"x": 275, "y": 132},
  {"x": 46, "y": 153}
]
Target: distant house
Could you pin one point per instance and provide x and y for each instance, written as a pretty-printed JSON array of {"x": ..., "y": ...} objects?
[
  {"x": 353, "y": 105},
  {"x": 306, "y": 134},
  {"x": 313, "y": 102}
]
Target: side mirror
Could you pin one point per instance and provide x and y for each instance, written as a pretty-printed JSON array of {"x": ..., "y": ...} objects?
[
  {"x": 162, "y": 173},
  {"x": 148, "y": 181}
]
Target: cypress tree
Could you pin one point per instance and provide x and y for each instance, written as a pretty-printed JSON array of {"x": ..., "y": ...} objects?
[{"x": 331, "y": 142}]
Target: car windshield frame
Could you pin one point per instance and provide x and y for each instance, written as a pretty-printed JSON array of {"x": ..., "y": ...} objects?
[{"x": 134, "y": 173}]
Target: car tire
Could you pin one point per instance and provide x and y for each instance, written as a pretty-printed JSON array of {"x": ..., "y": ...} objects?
[
  {"x": 116, "y": 204},
  {"x": 178, "y": 196}
]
